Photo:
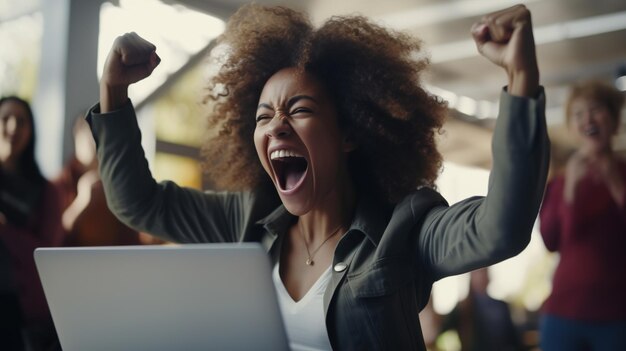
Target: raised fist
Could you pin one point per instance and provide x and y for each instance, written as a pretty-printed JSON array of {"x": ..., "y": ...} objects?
[
  {"x": 506, "y": 38},
  {"x": 130, "y": 60}
]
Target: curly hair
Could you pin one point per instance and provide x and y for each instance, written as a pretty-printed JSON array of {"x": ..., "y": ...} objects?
[
  {"x": 372, "y": 74},
  {"x": 598, "y": 91}
]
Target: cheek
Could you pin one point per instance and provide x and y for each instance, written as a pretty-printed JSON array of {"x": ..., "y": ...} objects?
[
  {"x": 576, "y": 125},
  {"x": 325, "y": 148},
  {"x": 260, "y": 146},
  {"x": 608, "y": 123}
]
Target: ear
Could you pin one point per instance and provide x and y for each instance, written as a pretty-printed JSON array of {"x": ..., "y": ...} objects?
[{"x": 347, "y": 144}]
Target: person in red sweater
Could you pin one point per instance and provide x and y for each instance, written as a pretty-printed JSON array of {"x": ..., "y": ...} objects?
[{"x": 583, "y": 217}]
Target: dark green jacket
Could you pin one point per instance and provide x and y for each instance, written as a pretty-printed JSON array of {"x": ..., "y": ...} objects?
[{"x": 384, "y": 266}]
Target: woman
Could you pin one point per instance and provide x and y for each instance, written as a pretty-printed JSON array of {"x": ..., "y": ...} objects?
[
  {"x": 334, "y": 122},
  {"x": 30, "y": 217},
  {"x": 583, "y": 217}
]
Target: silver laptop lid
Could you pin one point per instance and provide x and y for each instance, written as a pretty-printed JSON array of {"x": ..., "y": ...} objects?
[{"x": 188, "y": 297}]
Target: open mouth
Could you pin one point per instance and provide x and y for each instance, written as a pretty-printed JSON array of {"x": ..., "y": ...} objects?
[
  {"x": 289, "y": 168},
  {"x": 591, "y": 131}
]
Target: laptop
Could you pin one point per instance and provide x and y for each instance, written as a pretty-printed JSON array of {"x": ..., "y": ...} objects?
[{"x": 187, "y": 297}]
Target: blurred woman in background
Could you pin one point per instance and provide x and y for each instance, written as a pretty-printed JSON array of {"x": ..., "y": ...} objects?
[
  {"x": 86, "y": 218},
  {"x": 30, "y": 217},
  {"x": 584, "y": 219}
]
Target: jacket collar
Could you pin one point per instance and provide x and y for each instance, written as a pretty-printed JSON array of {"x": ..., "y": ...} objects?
[
  {"x": 370, "y": 219},
  {"x": 275, "y": 224}
]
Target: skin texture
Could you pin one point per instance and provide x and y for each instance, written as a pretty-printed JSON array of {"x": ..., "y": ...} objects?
[
  {"x": 295, "y": 113},
  {"x": 366, "y": 126}
]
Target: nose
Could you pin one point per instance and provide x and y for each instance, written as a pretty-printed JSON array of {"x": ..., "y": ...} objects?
[{"x": 279, "y": 126}]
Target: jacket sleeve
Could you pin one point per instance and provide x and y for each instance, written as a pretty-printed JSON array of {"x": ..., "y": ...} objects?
[
  {"x": 163, "y": 209},
  {"x": 481, "y": 231}
]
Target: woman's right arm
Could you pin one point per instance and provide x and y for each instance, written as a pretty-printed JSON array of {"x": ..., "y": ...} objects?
[{"x": 162, "y": 209}]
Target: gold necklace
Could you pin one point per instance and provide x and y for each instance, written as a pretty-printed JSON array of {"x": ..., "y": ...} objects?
[{"x": 309, "y": 261}]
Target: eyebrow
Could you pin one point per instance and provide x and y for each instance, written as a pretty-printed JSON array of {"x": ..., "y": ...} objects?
[
  {"x": 297, "y": 98},
  {"x": 290, "y": 102},
  {"x": 267, "y": 106}
]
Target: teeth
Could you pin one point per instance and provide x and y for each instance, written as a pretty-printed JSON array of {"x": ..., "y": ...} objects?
[
  {"x": 284, "y": 153},
  {"x": 591, "y": 131}
]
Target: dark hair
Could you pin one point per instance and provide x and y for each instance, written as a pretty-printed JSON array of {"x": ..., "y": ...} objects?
[
  {"x": 372, "y": 74},
  {"x": 598, "y": 91},
  {"x": 27, "y": 164}
]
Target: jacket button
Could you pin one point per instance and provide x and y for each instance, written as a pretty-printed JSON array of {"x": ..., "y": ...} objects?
[{"x": 340, "y": 267}]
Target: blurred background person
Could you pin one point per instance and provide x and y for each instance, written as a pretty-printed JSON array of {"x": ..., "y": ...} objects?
[
  {"x": 482, "y": 322},
  {"x": 10, "y": 316},
  {"x": 430, "y": 322},
  {"x": 82, "y": 161},
  {"x": 86, "y": 217},
  {"x": 30, "y": 217},
  {"x": 583, "y": 218}
]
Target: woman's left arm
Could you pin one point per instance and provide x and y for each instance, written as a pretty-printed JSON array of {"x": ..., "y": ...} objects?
[{"x": 482, "y": 231}]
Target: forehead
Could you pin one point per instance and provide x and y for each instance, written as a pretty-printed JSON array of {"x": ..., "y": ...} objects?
[
  {"x": 584, "y": 101},
  {"x": 290, "y": 82}
]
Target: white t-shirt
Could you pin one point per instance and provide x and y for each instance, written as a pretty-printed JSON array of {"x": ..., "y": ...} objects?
[{"x": 304, "y": 320}]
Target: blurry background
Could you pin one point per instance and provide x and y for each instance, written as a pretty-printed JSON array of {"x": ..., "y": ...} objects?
[{"x": 52, "y": 52}]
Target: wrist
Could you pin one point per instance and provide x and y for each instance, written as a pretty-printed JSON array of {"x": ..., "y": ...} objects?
[
  {"x": 112, "y": 97},
  {"x": 524, "y": 83}
]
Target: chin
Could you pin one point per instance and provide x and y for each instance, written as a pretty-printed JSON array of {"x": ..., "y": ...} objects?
[
  {"x": 597, "y": 145},
  {"x": 296, "y": 208}
]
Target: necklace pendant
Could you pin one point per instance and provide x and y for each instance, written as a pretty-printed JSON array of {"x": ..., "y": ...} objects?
[{"x": 309, "y": 262}]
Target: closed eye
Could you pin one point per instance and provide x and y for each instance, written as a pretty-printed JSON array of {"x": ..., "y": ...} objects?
[
  {"x": 300, "y": 110},
  {"x": 260, "y": 118}
]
